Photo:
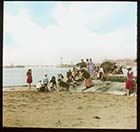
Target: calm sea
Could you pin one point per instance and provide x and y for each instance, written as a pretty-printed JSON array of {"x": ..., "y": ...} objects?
[{"x": 17, "y": 76}]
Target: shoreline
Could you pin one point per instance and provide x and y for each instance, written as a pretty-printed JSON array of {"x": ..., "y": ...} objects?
[
  {"x": 116, "y": 88},
  {"x": 26, "y": 89}
]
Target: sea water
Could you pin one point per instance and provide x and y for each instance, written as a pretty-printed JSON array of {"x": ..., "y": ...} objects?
[{"x": 17, "y": 76}]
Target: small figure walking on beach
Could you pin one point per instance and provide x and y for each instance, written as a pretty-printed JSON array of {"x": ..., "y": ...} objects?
[
  {"x": 129, "y": 82},
  {"x": 29, "y": 77}
]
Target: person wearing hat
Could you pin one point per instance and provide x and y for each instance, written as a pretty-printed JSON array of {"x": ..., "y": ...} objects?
[
  {"x": 129, "y": 82},
  {"x": 100, "y": 74},
  {"x": 40, "y": 87},
  {"x": 52, "y": 84},
  {"x": 29, "y": 77},
  {"x": 45, "y": 82}
]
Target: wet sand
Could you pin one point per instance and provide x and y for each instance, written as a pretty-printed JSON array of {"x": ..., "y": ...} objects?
[{"x": 28, "y": 108}]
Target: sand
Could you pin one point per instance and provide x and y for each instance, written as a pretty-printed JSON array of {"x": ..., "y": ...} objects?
[{"x": 28, "y": 108}]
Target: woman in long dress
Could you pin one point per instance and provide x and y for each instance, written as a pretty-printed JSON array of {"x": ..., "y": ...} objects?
[
  {"x": 129, "y": 82},
  {"x": 29, "y": 77},
  {"x": 91, "y": 68}
]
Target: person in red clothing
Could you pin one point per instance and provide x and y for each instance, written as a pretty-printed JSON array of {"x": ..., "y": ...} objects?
[
  {"x": 29, "y": 77},
  {"x": 129, "y": 82},
  {"x": 100, "y": 74}
]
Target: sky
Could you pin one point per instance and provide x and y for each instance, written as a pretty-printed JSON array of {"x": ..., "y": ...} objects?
[{"x": 40, "y": 33}]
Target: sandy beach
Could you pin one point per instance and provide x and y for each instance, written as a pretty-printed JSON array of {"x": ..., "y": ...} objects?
[{"x": 28, "y": 108}]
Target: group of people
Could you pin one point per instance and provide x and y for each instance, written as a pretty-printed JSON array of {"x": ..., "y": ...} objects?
[
  {"x": 90, "y": 71},
  {"x": 42, "y": 84},
  {"x": 84, "y": 72},
  {"x": 48, "y": 85}
]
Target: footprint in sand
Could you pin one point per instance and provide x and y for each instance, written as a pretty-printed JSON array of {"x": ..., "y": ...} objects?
[
  {"x": 55, "y": 101},
  {"x": 80, "y": 107},
  {"x": 81, "y": 122},
  {"x": 79, "y": 97},
  {"x": 96, "y": 117},
  {"x": 133, "y": 116},
  {"x": 79, "y": 118},
  {"x": 58, "y": 123},
  {"x": 105, "y": 106},
  {"x": 23, "y": 105}
]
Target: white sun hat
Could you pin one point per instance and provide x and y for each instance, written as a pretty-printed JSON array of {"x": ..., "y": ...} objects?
[
  {"x": 101, "y": 70},
  {"x": 128, "y": 67}
]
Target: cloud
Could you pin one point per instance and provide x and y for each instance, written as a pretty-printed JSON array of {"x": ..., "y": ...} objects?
[{"x": 69, "y": 38}]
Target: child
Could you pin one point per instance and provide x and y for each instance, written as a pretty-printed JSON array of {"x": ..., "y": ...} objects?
[
  {"x": 45, "y": 82},
  {"x": 29, "y": 77},
  {"x": 40, "y": 87}
]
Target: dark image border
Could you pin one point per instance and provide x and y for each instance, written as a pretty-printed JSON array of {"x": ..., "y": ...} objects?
[{"x": 6, "y": 129}]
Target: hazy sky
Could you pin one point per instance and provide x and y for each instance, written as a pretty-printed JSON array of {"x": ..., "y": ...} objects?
[{"x": 43, "y": 32}]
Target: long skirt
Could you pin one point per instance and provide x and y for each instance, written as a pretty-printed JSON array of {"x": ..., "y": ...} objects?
[
  {"x": 88, "y": 82},
  {"x": 129, "y": 84},
  {"x": 91, "y": 71},
  {"x": 29, "y": 79}
]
